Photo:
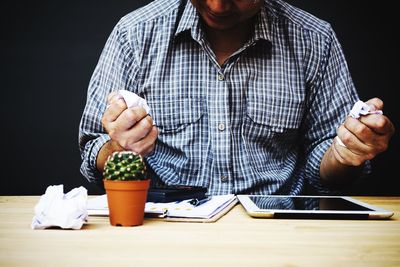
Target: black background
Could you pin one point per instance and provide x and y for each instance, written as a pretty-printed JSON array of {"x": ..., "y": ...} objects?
[{"x": 49, "y": 50}]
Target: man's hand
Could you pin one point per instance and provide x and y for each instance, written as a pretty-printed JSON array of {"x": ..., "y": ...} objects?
[
  {"x": 130, "y": 129},
  {"x": 363, "y": 139}
]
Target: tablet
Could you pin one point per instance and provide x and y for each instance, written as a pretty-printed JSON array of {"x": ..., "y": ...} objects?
[{"x": 310, "y": 207}]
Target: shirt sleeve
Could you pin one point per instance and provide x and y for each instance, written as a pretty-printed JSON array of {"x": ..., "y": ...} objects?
[
  {"x": 332, "y": 94},
  {"x": 116, "y": 69}
]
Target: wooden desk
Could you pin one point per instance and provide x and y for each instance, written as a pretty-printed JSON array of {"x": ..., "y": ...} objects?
[{"x": 235, "y": 240}]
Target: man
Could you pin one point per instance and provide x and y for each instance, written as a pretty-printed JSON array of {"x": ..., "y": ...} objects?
[{"x": 245, "y": 97}]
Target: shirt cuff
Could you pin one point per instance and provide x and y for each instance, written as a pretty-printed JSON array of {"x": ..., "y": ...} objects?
[
  {"x": 313, "y": 169},
  {"x": 89, "y": 162}
]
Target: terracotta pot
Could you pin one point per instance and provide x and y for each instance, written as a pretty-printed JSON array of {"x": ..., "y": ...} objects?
[{"x": 126, "y": 201}]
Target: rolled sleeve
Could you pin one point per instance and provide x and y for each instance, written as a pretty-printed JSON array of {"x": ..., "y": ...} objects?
[
  {"x": 313, "y": 168},
  {"x": 89, "y": 158}
]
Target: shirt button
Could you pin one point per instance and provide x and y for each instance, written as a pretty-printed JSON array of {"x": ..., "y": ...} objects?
[
  {"x": 221, "y": 77},
  {"x": 221, "y": 126},
  {"x": 224, "y": 179}
]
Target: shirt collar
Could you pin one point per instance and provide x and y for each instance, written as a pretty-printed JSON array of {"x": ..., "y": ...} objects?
[
  {"x": 190, "y": 21},
  {"x": 262, "y": 28}
]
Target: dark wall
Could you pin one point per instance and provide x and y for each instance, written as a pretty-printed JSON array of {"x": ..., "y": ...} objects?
[{"x": 49, "y": 50}]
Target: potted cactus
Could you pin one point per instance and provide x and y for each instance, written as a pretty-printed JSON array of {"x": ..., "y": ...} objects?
[{"x": 126, "y": 185}]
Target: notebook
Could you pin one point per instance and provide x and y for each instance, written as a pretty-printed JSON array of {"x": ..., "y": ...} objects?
[{"x": 209, "y": 210}]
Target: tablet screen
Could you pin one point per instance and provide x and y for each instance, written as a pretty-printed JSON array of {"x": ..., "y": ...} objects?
[{"x": 306, "y": 203}]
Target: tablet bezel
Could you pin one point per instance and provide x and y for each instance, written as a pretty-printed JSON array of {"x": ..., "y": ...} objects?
[{"x": 374, "y": 212}]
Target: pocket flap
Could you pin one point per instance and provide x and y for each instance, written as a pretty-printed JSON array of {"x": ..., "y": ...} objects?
[
  {"x": 172, "y": 114},
  {"x": 278, "y": 118}
]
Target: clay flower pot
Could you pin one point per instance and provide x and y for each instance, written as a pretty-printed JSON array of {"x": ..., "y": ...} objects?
[{"x": 126, "y": 201}]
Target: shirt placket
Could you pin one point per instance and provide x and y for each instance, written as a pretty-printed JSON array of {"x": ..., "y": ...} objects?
[{"x": 219, "y": 121}]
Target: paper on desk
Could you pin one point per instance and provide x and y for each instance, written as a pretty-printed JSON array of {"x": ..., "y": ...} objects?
[
  {"x": 56, "y": 209},
  {"x": 183, "y": 209},
  {"x": 98, "y": 205},
  {"x": 359, "y": 109},
  {"x": 205, "y": 211}
]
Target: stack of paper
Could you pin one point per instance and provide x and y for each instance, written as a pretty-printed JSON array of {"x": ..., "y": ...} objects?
[
  {"x": 206, "y": 210},
  {"x": 98, "y": 205},
  {"x": 210, "y": 211}
]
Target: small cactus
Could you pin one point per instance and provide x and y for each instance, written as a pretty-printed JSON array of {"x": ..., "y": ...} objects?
[{"x": 124, "y": 166}]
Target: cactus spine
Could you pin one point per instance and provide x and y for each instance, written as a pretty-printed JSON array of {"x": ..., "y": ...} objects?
[{"x": 124, "y": 166}]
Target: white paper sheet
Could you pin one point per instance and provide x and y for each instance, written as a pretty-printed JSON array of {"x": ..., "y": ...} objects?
[{"x": 183, "y": 209}]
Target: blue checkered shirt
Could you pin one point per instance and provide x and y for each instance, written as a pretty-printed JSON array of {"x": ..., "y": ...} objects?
[{"x": 258, "y": 124}]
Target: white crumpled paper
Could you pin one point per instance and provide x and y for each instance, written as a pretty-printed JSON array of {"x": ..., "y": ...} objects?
[
  {"x": 56, "y": 209},
  {"x": 133, "y": 100},
  {"x": 359, "y": 109}
]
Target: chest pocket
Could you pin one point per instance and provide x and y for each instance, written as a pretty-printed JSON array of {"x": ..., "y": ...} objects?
[
  {"x": 173, "y": 115},
  {"x": 277, "y": 118},
  {"x": 179, "y": 146},
  {"x": 270, "y": 133}
]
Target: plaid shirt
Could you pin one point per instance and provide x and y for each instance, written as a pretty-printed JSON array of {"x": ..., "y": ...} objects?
[{"x": 258, "y": 124}]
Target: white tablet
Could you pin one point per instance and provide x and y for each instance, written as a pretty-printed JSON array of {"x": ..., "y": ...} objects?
[{"x": 310, "y": 207}]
